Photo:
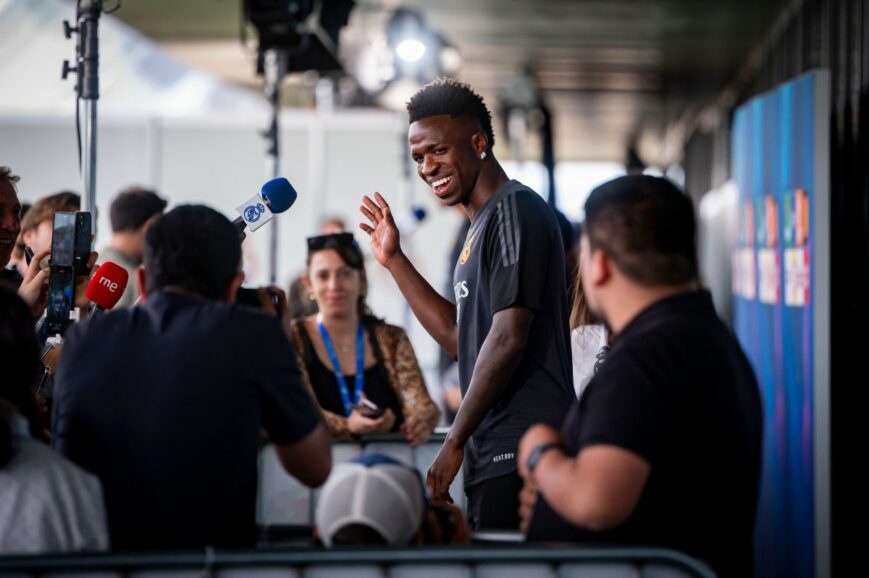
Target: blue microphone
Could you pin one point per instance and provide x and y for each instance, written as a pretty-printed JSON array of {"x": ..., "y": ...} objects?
[
  {"x": 279, "y": 194},
  {"x": 276, "y": 196}
]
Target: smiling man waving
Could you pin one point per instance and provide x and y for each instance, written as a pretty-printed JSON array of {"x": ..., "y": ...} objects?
[{"x": 508, "y": 328}]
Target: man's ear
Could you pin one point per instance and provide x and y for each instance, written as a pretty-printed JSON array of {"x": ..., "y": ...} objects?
[
  {"x": 479, "y": 142},
  {"x": 140, "y": 283},
  {"x": 232, "y": 290},
  {"x": 600, "y": 267}
]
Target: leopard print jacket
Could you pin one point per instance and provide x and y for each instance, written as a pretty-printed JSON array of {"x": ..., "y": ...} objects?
[{"x": 393, "y": 349}]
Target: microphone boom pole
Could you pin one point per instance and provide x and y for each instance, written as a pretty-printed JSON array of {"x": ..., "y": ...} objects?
[
  {"x": 88, "y": 91},
  {"x": 89, "y": 83},
  {"x": 275, "y": 65}
]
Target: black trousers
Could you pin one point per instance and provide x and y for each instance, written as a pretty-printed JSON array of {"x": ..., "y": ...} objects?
[{"x": 494, "y": 504}]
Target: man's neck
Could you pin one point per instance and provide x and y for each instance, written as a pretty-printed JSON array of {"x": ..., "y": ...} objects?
[
  {"x": 633, "y": 300},
  {"x": 126, "y": 244},
  {"x": 491, "y": 178}
]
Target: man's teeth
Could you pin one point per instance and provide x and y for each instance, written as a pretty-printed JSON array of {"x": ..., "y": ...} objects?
[{"x": 442, "y": 181}]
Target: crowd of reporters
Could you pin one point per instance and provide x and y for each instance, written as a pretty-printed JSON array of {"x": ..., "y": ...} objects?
[{"x": 159, "y": 410}]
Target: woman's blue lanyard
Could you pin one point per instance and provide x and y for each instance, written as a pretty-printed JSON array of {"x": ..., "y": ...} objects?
[{"x": 336, "y": 367}]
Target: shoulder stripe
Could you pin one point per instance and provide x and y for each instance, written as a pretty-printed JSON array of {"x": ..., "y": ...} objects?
[
  {"x": 514, "y": 212},
  {"x": 508, "y": 230},
  {"x": 501, "y": 238}
]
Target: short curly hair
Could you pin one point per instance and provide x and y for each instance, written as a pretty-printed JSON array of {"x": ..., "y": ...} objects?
[
  {"x": 7, "y": 177},
  {"x": 449, "y": 96}
]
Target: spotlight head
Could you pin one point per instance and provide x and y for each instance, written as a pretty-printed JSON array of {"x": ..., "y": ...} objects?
[
  {"x": 410, "y": 49},
  {"x": 311, "y": 38}
]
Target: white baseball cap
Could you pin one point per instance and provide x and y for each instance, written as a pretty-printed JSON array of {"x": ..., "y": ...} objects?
[{"x": 375, "y": 491}]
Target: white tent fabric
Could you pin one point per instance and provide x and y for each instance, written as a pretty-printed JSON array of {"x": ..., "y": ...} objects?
[{"x": 136, "y": 77}]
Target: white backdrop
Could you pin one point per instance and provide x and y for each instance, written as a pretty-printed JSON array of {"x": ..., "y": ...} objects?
[{"x": 332, "y": 160}]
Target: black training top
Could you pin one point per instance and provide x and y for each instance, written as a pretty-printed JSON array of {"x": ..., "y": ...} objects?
[
  {"x": 677, "y": 390},
  {"x": 164, "y": 402},
  {"x": 513, "y": 256}
]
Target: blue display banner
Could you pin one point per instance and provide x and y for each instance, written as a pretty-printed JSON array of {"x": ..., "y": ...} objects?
[{"x": 774, "y": 165}]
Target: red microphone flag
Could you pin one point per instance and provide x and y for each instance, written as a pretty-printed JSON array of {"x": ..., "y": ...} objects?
[{"x": 107, "y": 285}]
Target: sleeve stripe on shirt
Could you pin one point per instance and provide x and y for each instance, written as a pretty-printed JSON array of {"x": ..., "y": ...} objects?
[
  {"x": 508, "y": 232},
  {"x": 501, "y": 235},
  {"x": 514, "y": 212}
]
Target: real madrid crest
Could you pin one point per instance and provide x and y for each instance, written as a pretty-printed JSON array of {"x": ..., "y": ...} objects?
[{"x": 466, "y": 252}]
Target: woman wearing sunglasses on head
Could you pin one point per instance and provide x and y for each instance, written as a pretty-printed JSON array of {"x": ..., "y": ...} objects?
[{"x": 362, "y": 371}]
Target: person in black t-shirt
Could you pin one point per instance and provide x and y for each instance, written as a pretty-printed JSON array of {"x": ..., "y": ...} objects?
[
  {"x": 508, "y": 327},
  {"x": 663, "y": 449},
  {"x": 165, "y": 401}
]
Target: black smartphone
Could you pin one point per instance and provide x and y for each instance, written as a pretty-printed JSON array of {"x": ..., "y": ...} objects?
[
  {"x": 368, "y": 408},
  {"x": 248, "y": 296},
  {"x": 81, "y": 252},
  {"x": 61, "y": 277},
  {"x": 70, "y": 251}
]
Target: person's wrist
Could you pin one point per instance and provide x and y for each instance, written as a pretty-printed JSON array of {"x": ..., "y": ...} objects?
[
  {"x": 453, "y": 441},
  {"x": 537, "y": 454},
  {"x": 396, "y": 261}
]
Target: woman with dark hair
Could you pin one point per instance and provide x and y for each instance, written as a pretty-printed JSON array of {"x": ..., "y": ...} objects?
[{"x": 362, "y": 371}]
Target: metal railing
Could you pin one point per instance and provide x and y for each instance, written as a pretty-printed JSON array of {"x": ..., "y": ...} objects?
[{"x": 210, "y": 560}]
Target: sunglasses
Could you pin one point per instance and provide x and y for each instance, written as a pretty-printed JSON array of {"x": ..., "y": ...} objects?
[{"x": 343, "y": 243}]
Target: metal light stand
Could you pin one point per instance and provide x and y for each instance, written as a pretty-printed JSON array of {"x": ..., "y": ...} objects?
[
  {"x": 275, "y": 64},
  {"x": 88, "y": 90}
]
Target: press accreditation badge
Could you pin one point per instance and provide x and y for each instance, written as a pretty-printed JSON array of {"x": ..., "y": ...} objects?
[{"x": 255, "y": 213}]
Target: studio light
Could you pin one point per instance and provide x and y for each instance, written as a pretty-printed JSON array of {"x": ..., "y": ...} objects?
[
  {"x": 417, "y": 55},
  {"x": 410, "y": 49},
  {"x": 306, "y": 30}
]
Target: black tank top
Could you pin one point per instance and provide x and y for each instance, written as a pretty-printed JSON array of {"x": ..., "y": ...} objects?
[{"x": 325, "y": 384}]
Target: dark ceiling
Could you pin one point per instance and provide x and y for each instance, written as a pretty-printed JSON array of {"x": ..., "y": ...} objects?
[{"x": 611, "y": 71}]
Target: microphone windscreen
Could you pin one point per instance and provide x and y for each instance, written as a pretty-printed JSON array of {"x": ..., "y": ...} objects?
[
  {"x": 107, "y": 285},
  {"x": 279, "y": 194}
]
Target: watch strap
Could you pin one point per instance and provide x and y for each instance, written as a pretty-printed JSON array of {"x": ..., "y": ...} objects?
[{"x": 537, "y": 453}]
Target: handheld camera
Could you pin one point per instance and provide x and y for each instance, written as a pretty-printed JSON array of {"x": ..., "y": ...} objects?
[{"x": 248, "y": 296}]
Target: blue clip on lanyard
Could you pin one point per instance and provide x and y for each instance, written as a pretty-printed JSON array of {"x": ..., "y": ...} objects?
[{"x": 336, "y": 367}]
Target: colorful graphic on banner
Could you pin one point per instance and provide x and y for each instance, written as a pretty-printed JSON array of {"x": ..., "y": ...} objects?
[
  {"x": 797, "y": 259},
  {"x": 797, "y": 277},
  {"x": 773, "y": 152},
  {"x": 768, "y": 274},
  {"x": 745, "y": 284}
]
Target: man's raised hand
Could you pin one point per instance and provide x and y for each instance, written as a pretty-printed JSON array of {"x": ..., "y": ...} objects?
[{"x": 381, "y": 228}]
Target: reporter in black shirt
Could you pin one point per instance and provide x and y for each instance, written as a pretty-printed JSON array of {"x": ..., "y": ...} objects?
[
  {"x": 664, "y": 447},
  {"x": 165, "y": 401}
]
